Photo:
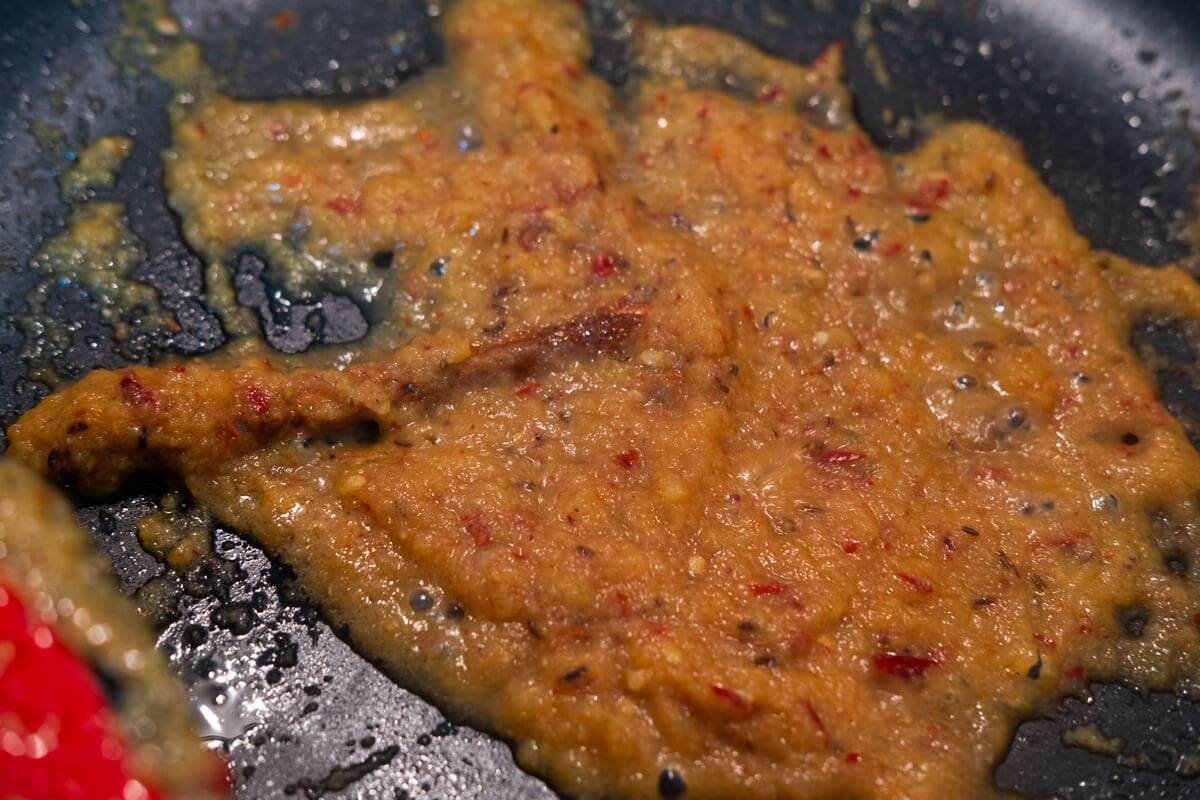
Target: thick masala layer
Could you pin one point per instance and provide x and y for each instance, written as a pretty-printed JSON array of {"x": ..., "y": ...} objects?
[{"x": 717, "y": 452}]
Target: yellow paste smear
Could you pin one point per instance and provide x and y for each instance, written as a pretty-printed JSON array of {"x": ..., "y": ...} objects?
[{"x": 870, "y": 447}]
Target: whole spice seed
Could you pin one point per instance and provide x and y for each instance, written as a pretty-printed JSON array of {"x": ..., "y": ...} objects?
[
  {"x": 671, "y": 784},
  {"x": 864, "y": 243},
  {"x": 575, "y": 674},
  {"x": 420, "y": 600},
  {"x": 1035, "y": 671}
]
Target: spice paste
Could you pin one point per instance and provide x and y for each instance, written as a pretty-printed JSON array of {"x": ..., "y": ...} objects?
[{"x": 706, "y": 451}]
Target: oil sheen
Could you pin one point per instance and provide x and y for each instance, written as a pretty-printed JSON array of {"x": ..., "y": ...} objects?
[{"x": 702, "y": 447}]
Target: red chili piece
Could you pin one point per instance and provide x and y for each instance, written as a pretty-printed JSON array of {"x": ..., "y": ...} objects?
[
  {"x": 760, "y": 589},
  {"x": 769, "y": 94},
  {"x": 603, "y": 266},
  {"x": 528, "y": 389},
  {"x": 622, "y": 601},
  {"x": 134, "y": 394},
  {"x": 921, "y": 585},
  {"x": 991, "y": 474},
  {"x": 728, "y": 695},
  {"x": 902, "y": 666},
  {"x": 816, "y": 720},
  {"x": 285, "y": 20},
  {"x": 840, "y": 457},
  {"x": 475, "y": 524},
  {"x": 257, "y": 399},
  {"x": 628, "y": 459},
  {"x": 1045, "y": 641},
  {"x": 928, "y": 194},
  {"x": 346, "y": 206}
]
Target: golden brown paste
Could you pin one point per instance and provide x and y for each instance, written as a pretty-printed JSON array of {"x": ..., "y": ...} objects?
[{"x": 713, "y": 451}]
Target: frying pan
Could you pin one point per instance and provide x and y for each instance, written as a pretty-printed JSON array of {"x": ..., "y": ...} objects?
[{"x": 1099, "y": 94}]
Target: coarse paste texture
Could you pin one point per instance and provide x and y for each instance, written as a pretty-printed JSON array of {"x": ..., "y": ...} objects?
[{"x": 712, "y": 451}]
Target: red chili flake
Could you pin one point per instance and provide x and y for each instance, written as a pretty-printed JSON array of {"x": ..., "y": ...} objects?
[
  {"x": 525, "y": 86},
  {"x": 892, "y": 249},
  {"x": 770, "y": 94},
  {"x": 850, "y": 547},
  {"x": 770, "y": 587},
  {"x": 346, "y": 206},
  {"x": 475, "y": 524},
  {"x": 1196, "y": 618},
  {"x": 428, "y": 138},
  {"x": 628, "y": 459},
  {"x": 921, "y": 585},
  {"x": 840, "y": 457},
  {"x": 1074, "y": 672},
  {"x": 528, "y": 389},
  {"x": 948, "y": 543},
  {"x": 622, "y": 601},
  {"x": 728, "y": 695},
  {"x": 518, "y": 555},
  {"x": 823, "y": 152},
  {"x": 134, "y": 394},
  {"x": 816, "y": 719},
  {"x": 257, "y": 399},
  {"x": 900, "y": 665},
  {"x": 202, "y": 129},
  {"x": 662, "y": 630},
  {"x": 853, "y": 193},
  {"x": 1064, "y": 404},
  {"x": 603, "y": 266},
  {"x": 285, "y": 20},
  {"x": 571, "y": 71},
  {"x": 853, "y": 758},
  {"x": 991, "y": 474},
  {"x": 293, "y": 180},
  {"x": 1045, "y": 641},
  {"x": 829, "y": 52},
  {"x": 928, "y": 194},
  {"x": 179, "y": 368},
  {"x": 860, "y": 146}
]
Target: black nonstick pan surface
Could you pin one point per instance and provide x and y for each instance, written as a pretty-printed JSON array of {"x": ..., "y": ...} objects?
[{"x": 1099, "y": 92}]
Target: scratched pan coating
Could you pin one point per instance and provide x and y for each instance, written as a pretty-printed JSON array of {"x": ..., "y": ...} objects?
[{"x": 1098, "y": 94}]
